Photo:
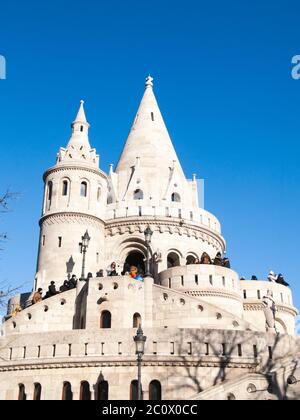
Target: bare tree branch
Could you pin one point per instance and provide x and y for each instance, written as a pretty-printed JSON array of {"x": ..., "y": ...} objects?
[{"x": 6, "y": 291}]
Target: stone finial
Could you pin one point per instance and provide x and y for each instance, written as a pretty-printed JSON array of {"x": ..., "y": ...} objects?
[{"x": 149, "y": 81}]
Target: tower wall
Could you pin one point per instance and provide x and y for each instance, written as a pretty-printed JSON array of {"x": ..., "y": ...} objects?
[{"x": 74, "y": 201}]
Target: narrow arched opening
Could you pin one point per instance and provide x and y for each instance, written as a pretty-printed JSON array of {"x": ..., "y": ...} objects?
[
  {"x": 137, "y": 320},
  {"x": 134, "y": 390},
  {"x": 175, "y": 197},
  {"x": 83, "y": 189},
  {"x": 67, "y": 394},
  {"x": 102, "y": 391},
  {"x": 65, "y": 186},
  {"x": 22, "y": 394},
  {"x": 37, "y": 392},
  {"x": 50, "y": 190},
  {"x": 105, "y": 319},
  {"x": 85, "y": 393},
  {"x": 173, "y": 260},
  {"x": 155, "y": 391}
]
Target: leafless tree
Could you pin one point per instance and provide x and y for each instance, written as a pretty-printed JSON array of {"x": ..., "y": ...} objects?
[{"x": 6, "y": 290}]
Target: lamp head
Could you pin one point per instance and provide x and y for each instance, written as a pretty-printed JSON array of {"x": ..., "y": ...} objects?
[
  {"x": 148, "y": 234},
  {"x": 86, "y": 239}
]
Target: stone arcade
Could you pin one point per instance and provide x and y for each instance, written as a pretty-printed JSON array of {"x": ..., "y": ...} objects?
[{"x": 207, "y": 335}]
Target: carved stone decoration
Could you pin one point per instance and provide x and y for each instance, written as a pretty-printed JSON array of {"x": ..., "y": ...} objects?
[{"x": 269, "y": 309}]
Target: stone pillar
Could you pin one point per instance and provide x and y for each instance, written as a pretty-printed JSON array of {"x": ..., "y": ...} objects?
[
  {"x": 148, "y": 305},
  {"x": 76, "y": 392}
]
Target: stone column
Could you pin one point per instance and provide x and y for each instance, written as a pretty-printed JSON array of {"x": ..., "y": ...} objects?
[{"x": 148, "y": 305}]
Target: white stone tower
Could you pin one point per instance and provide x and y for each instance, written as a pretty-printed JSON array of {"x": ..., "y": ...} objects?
[{"x": 74, "y": 201}]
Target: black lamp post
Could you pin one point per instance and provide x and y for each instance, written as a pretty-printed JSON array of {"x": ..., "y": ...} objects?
[
  {"x": 140, "y": 340},
  {"x": 148, "y": 234},
  {"x": 83, "y": 248}
]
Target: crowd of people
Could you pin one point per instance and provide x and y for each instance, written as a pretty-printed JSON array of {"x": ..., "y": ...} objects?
[
  {"x": 67, "y": 285},
  {"x": 132, "y": 271},
  {"x": 272, "y": 277},
  {"x": 205, "y": 259},
  {"x": 137, "y": 273}
]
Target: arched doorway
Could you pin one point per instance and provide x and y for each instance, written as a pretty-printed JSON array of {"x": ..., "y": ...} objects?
[
  {"x": 102, "y": 389},
  {"x": 155, "y": 391},
  {"x": 134, "y": 390},
  {"x": 37, "y": 392},
  {"x": 67, "y": 394},
  {"x": 85, "y": 393},
  {"x": 173, "y": 260},
  {"x": 22, "y": 394},
  {"x": 135, "y": 258}
]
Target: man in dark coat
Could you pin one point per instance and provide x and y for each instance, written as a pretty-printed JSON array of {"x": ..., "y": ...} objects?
[
  {"x": 52, "y": 289},
  {"x": 218, "y": 259}
]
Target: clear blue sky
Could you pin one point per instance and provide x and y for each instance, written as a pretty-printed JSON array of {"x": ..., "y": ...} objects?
[{"x": 223, "y": 81}]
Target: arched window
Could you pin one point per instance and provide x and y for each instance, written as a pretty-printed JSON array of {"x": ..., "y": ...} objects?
[
  {"x": 138, "y": 195},
  {"x": 155, "y": 391},
  {"x": 175, "y": 197},
  {"x": 135, "y": 258},
  {"x": 37, "y": 392},
  {"x": 67, "y": 394},
  {"x": 50, "y": 190},
  {"x": 134, "y": 390},
  {"x": 190, "y": 259},
  {"x": 22, "y": 394},
  {"x": 173, "y": 260},
  {"x": 105, "y": 320},
  {"x": 85, "y": 393},
  {"x": 83, "y": 189},
  {"x": 99, "y": 194},
  {"x": 102, "y": 388},
  {"x": 65, "y": 188},
  {"x": 109, "y": 199},
  {"x": 137, "y": 320}
]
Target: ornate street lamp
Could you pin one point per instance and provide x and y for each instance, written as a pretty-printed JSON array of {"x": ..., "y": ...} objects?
[
  {"x": 140, "y": 340},
  {"x": 83, "y": 248},
  {"x": 148, "y": 234}
]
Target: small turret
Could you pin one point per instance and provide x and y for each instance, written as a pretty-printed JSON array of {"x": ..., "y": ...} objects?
[
  {"x": 74, "y": 202},
  {"x": 79, "y": 149}
]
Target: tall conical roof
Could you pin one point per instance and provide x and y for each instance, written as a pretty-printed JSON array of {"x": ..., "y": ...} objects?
[
  {"x": 149, "y": 161},
  {"x": 148, "y": 138}
]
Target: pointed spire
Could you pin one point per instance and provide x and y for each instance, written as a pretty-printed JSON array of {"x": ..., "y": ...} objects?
[
  {"x": 148, "y": 137},
  {"x": 80, "y": 127},
  {"x": 80, "y": 118}
]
